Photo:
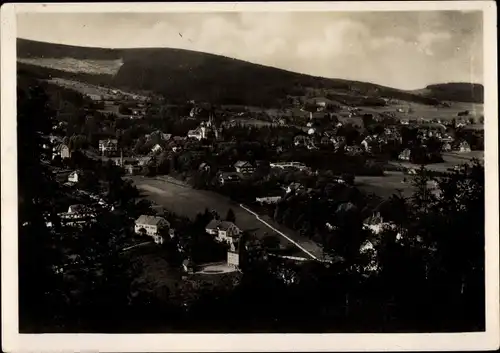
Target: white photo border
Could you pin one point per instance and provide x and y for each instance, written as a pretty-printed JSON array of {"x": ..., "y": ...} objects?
[{"x": 12, "y": 341}]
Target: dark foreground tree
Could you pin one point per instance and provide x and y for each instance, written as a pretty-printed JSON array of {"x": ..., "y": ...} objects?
[{"x": 230, "y": 216}]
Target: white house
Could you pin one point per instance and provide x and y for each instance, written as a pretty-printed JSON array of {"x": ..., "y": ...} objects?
[
  {"x": 268, "y": 199},
  {"x": 225, "y": 231},
  {"x": 405, "y": 155},
  {"x": 151, "y": 226},
  {"x": 233, "y": 254},
  {"x": 368, "y": 249},
  {"x": 197, "y": 133},
  {"x": 446, "y": 147},
  {"x": 366, "y": 144},
  {"x": 108, "y": 146},
  {"x": 244, "y": 167},
  {"x": 294, "y": 187},
  {"x": 61, "y": 150},
  {"x": 75, "y": 176},
  {"x": 156, "y": 148},
  {"x": 464, "y": 147}
]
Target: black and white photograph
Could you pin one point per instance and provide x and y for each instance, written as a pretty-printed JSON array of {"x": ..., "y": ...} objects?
[{"x": 250, "y": 168}]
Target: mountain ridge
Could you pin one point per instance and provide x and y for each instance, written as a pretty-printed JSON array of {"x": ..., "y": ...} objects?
[{"x": 181, "y": 73}]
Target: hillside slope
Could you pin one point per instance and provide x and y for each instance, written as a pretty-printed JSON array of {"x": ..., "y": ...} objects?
[
  {"x": 184, "y": 74},
  {"x": 456, "y": 91}
]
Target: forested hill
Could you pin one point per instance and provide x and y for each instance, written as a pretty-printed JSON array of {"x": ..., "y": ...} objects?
[
  {"x": 185, "y": 74},
  {"x": 456, "y": 91}
]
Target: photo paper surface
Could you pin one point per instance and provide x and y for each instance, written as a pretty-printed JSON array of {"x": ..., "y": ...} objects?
[{"x": 249, "y": 176}]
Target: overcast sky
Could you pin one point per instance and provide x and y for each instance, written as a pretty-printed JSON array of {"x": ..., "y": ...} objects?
[{"x": 406, "y": 50}]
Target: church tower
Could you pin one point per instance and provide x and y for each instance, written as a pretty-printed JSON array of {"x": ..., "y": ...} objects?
[{"x": 211, "y": 122}]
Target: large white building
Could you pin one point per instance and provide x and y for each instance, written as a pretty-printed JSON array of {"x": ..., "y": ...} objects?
[
  {"x": 151, "y": 226},
  {"x": 108, "y": 146},
  {"x": 223, "y": 230}
]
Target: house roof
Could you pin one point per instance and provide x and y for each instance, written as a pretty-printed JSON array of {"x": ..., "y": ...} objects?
[
  {"x": 150, "y": 220},
  {"x": 320, "y": 100},
  {"x": 108, "y": 141},
  {"x": 222, "y": 225},
  {"x": 204, "y": 165},
  {"x": 195, "y": 131},
  {"x": 242, "y": 164},
  {"x": 295, "y": 185},
  {"x": 59, "y": 147},
  {"x": 79, "y": 208},
  {"x": 79, "y": 172}
]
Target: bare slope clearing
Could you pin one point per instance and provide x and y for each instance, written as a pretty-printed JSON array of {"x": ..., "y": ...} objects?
[{"x": 104, "y": 67}]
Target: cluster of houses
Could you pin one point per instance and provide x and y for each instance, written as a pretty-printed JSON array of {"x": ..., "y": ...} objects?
[
  {"x": 317, "y": 136},
  {"x": 158, "y": 228},
  {"x": 79, "y": 215}
]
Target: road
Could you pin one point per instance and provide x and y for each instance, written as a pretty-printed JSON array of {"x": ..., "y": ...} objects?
[
  {"x": 184, "y": 200},
  {"x": 311, "y": 255}
]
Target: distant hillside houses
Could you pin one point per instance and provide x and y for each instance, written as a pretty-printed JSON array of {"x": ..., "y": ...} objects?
[
  {"x": 78, "y": 215},
  {"x": 287, "y": 165},
  {"x": 271, "y": 197},
  {"x": 94, "y": 97}
]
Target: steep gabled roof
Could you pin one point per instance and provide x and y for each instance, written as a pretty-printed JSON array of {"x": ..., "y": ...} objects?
[
  {"x": 242, "y": 164},
  {"x": 60, "y": 147},
  {"x": 222, "y": 225},
  {"x": 151, "y": 220}
]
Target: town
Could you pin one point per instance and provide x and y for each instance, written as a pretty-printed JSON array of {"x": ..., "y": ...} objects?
[
  {"x": 261, "y": 167},
  {"x": 328, "y": 206}
]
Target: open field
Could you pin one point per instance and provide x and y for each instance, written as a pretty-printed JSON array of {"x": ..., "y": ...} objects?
[
  {"x": 451, "y": 159},
  {"x": 188, "y": 202},
  {"x": 103, "y": 67},
  {"x": 386, "y": 185},
  {"x": 90, "y": 89},
  {"x": 391, "y": 182},
  {"x": 462, "y": 157},
  {"x": 428, "y": 111}
]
